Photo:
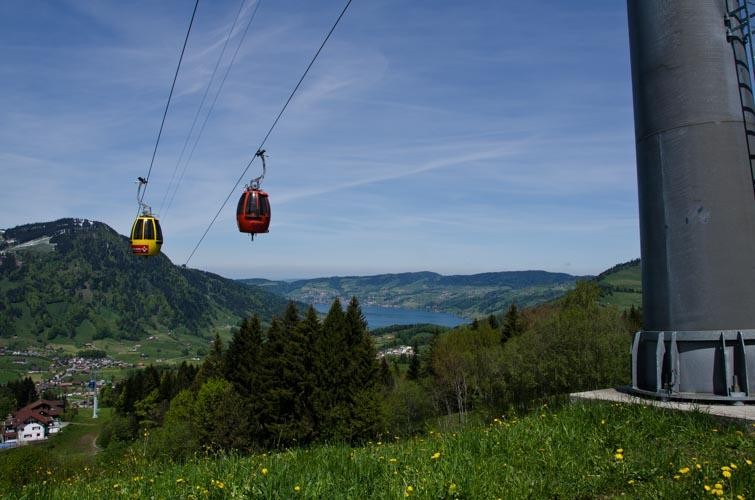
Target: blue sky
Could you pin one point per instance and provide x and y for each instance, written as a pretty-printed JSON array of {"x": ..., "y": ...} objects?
[{"x": 455, "y": 137}]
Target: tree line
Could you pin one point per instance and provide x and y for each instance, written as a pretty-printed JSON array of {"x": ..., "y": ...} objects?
[
  {"x": 299, "y": 381},
  {"x": 303, "y": 380}
]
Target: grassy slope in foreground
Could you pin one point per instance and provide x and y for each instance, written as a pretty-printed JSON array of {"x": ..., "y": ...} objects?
[{"x": 581, "y": 450}]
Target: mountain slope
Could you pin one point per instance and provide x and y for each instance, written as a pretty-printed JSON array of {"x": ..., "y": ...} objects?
[
  {"x": 621, "y": 285},
  {"x": 77, "y": 279},
  {"x": 465, "y": 295}
]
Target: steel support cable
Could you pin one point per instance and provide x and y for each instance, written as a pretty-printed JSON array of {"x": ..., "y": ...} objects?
[
  {"x": 270, "y": 130},
  {"x": 201, "y": 104},
  {"x": 212, "y": 105},
  {"x": 170, "y": 95}
]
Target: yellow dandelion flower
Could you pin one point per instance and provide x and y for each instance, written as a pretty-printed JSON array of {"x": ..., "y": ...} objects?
[
  {"x": 684, "y": 470},
  {"x": 698, "y": 466},
  {"x": 718, "y": 493},
  {"x": 677, "y": 476},
  {"x": 452, "y": 488},
  {"x": 718, "y": 486},
  {"x": 297, "y": 488},
  {"x": 748, "y": 461},
  {"x": 219, "y": 484},
  {"x": 631, "y": 481},
  {"x": 619, "y": 456},
  {"x": 392, "y": 460},
  {"x": 264, "y": 471},
  {"x": 602, "y": 422},
  {"x": 180, "y": 480},
  {"x": 435, "y": 456},
  {"x": 726, "y": 474},
  {"x": 733, "y": 466},
  {"x": 620, "y": 450},
  {"x": 409, "y": 490},
  {"x": 740, "y": 497}
]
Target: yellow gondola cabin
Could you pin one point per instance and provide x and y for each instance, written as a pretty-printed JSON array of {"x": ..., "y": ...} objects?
[{"x": 146, "y": 236}]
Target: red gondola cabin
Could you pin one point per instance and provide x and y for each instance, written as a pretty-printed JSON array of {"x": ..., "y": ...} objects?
[{"x": 253, "y": 211}]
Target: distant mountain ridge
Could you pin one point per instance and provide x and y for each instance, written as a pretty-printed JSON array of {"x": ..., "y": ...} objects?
[
  {"x": 465, "y": 295},
  {"x": 77, "y": 279}
]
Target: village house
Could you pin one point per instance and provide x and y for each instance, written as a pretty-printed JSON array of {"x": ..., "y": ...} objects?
[{"x": 33, "y": 422}]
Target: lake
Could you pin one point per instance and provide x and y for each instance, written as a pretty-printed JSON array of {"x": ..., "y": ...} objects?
[{"x": 378, "y": 317}]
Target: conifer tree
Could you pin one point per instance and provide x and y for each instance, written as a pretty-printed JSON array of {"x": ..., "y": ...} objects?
[
  {"x": 242, "y": 358},
  {"x": 365, "y": 417},
  {"x": 512, "y": 324},
  {"x": 493, "y": 322},
  {"x": 329, "y": 367},
  {"x": 212, "y": 367},
  {"x": 414, "y": 364},
  {"x": 385, "y": 375},
  {"x": 286, "y": 415}
]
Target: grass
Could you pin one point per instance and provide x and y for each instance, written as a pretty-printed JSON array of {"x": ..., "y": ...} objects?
[
  {"x": 77, "y": 439},
  {"x": 583, "y": 450}
]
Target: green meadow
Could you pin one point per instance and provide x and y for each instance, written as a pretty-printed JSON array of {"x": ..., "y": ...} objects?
[{"x": 579, "y": 450}]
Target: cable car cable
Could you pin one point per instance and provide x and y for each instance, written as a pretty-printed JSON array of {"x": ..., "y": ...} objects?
[
  {"x": 201, "y": 103},
  {"x": 212, "y": 105},
  {"x": 270, "y": 131},
  {"x": 167, "y": 105}
]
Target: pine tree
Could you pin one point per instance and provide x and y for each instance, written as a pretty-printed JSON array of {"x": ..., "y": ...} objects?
[
  {"x": 513, "y": 325},
  {"x": 365, "y": 417},
  {"x": 241, "y": 362},
  {"x": 493, "y": 322},
  {"x": 286, "y": 408},
  {"x": 329, "y": 369},
  {"x": 212, "y": 367},
  {"x": 414, "y": 364},
  {"x": 385, "y": 375}
]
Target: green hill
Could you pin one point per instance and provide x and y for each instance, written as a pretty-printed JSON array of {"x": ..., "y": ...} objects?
[
  {"x": 73, "y": 281},
  {"x": 465, "y": 295},
  {"x": 622, "y": 285}
]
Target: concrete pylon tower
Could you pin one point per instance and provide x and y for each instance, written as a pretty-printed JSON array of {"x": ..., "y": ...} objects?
[{"x": 695, "y": 135}]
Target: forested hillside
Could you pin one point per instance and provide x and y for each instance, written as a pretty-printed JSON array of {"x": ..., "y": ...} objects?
[
  {"x": 76, "y": 279},
  {"x": 465, "y": 295}
]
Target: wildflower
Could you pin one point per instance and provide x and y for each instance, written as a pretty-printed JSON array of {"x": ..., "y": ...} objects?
[
  {"x": 707, "y": 488},
  {"x": 392, "y": 460},
  {"x": 740, "y": 497},
  {"x": 452, "y": 488},
  {"x": 677, "y": 476},
  {"x": 748, "y": 461},
  {"x": 631, "y": 481},
  {"x": 718, "y": 486},
  {"x": 726, "y": 474},
  {"x": 409, "y": 490},
  {"x": 180, "y": 480},
  {"x": 698, "y": 466},
  {"x": 264, "y": 471},
  {"x": 435, "y": 456},
  {"x": 297, "y": 488},
  {"x": 602, "y": 422},
  {"x": 733, "y": 466},
  {"x": 620, "y": 450},
  {"x": 684, "y": 470},
  {"x": 619, "y": 456},
  {"x": 725, "y": 468}
]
